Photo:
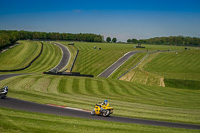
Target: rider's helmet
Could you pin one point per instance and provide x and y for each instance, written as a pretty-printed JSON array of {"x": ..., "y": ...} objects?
[
  {"x": 6, "y": 88},
  {"x": 106, "y": 101}
]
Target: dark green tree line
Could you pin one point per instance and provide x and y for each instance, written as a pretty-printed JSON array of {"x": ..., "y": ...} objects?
[
  {"x": 10, "y": 37},
  {"x": 171, "y": 40}
]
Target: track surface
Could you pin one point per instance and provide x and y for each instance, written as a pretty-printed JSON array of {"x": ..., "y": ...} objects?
[
  {"x": 2, "y": 77},
  {"x": 66, "y": 56},
  {"x": 41, "y": 108},
  {"x": 106, "y": 73}
]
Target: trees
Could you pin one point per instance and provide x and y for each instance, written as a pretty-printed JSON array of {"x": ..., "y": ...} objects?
[
  {"x": 129, "y": 41},
  {"x": 114, "y": 40},
  {"x": 108, "y": 39},
  {"x": 171, "y": 40},
  {"x": 132, "y": 40},
  {"x": 7, "y": 38},
  {"x": 10, "y": 37},
  {"x": 97, "y": 39}
]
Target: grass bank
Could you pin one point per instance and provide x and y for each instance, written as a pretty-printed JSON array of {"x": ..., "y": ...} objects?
[
  {"x": 49, "y": 58},
  {"x": 93, "y": 61},
  {"x": 181, "y": 65},
  {"x": 19, "y": 56},
  {"x": 128, "y": 99},
  {"x": 19, "y": 121}
]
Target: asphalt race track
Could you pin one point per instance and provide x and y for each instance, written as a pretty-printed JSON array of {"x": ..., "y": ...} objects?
[
  {"x": 41, "y": 108},
  {"x": 66, "y": 56},
  {"x": 106, "y": 73},
  {"x": 17, "y": 104},
  {"x": 2, "y": 77}
]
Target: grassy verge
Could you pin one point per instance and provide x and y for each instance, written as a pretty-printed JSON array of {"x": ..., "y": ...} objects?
[
  {"x": 19, "y": 121},
  {"x": 128, "y": 99},
  {"x": 184, "y": 65},
  {"x": 49, "y": 58},
  {"x": 164, "y": 47},
  {"x": 183, "y": 84},
  {"x": 19, "y": 56}
]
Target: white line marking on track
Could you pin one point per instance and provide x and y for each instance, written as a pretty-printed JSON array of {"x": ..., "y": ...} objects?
[{"x": 69, "y": 108}]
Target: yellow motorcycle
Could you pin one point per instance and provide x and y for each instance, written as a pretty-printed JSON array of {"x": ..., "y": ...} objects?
[{"x": 101, "y": 109}]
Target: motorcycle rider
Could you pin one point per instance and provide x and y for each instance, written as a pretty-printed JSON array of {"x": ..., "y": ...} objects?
[
  {"x": 101, "y": 108},
  {"x": 3, "y": 91},
  {"x": 104, "y": 103}
]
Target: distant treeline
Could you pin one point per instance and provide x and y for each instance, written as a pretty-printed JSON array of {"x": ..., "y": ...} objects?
[
  {"x": 172, "y": 40},
  {"x": 8, "y": 37}
]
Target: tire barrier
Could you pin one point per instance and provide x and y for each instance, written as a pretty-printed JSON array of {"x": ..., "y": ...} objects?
[
  {"x": 27, "y": 65},
  {"x": 74, "y": 61},
  {"x": 69, "y": 74}
]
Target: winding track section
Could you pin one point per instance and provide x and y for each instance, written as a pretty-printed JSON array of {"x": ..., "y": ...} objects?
[
  {"x": 13, "y": 103},
  {"x": 66, "y": 56},
  {"x": 106, "y": 73}
]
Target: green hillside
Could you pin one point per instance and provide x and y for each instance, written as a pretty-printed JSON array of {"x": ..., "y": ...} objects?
[
  {"x": 165, "y": 86},
  {"x": 180, "y": 65},
  {"x": 94, "y": 61},
  {"x": 49, "y": 58},
  {"x": 180, "y": 70},
  {"x": 139, "y": 75},
  {"x": 165, "y": 69},
  {"x": 19, "y": 56},
  {"x": 129, "y": 99},
  {"x": 18, "y": 121}
]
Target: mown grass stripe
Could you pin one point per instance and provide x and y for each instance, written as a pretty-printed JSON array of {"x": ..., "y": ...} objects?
[
  {"x": 82, "y": 87},
  {"x": 95, "y": 87},
  {"x": 41, "y": 84},
  {"x": 62, "y": 86},
  {"x": 125, "y": 89},
  {"x": 69, "y": 85},
  {"x": 41, "y": 60},
  {"x": 75, "y": 85},
  {"x": 48, "y": 59},
  {"x": 88, "y": 86},
  {"x": 100, "y": 87},
  {"x": 54, "y": 84},
  {"x": 20, "y": 56},
  {"x": 29, "y": 83},
  {"x": 112, "y": 88}
]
